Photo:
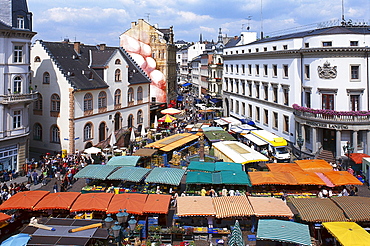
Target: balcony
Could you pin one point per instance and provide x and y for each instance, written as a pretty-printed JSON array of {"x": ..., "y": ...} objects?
[
  {"x": 18, "y": 98},
  {"x": 330, "y": 116}
]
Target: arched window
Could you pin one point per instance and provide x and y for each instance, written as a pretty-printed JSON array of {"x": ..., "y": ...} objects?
[
  {"x": 130, "y": 120},
  {"x": 37, "y": 132},
  {"x": 117, "y": 121},
  {"x": 117, "y": 75},
  {"x": 117, "y": 97},
  {"x": 17, "y": 84},
  {"x": 55, "y": 103},
  {"x": 55, "y": 134},
  {"x": 37, "y": 59},
  {"x": 38, "y": 103},
  {"x": 140, "y": 94},
  {"x": 88, "y": 132},
  {"x": 130, "y": 96},
  {"x": 117, "y": 62},
  {"x": 140, "y": 117},
  {"x": 88, "y": 102},
  {"x": 102, "y": 100},
  {"x": 102, "y": 130},
  {"x": 46, "y": 78}
]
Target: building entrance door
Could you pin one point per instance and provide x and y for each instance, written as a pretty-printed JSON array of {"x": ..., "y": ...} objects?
[{"x": 329, "y": 140}]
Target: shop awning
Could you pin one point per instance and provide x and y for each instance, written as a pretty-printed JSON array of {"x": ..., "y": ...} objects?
[
  {"x": 133, "y": 174},
  {"x": 4, "y": 217},
  {"x": 92, "y": 202},
  {"x": 171, "y": 176},
  {"x": 235, "y": 178},
  {"x": 284, "y": 167},
  {"x": 255, "y": 139},
  {"x": 277, "y": 178},
  {"x": 348, "y": 233},
  {"x": 307, "y": 178},
  {"x": 176, "y": 140},
  {"x": 179, "y": 143},
  {"x": 339, "y": 178},
  {"x": 157, "y": 204},
  {"x": 242, "y": 129},
  {"x": 283, "y": 231},
  {"x": 145, "y": 152},
  {"x": 24, "y": 200},
  {"x": 228, "y": 166},
  {"x": 132, "y": 202},
  {"x": 98, "y": 171},
  {"x": 314, "y": 165},
  {"x": 232, "y": 206},
  {"x": 216, "y": 136},
  {"x": 318, "y": 209},
  {"x": 357, "y": 157},
  {"x": 198, "y": 178},
  {"x": 270, "y": 206},
  {"x": 120, "y": 161},
  {"x": 356, "y": 208},
  {"x": 201, "y": 166},
  {"x": 195, "y": 206},
  {"x": 59, "y": 200}
]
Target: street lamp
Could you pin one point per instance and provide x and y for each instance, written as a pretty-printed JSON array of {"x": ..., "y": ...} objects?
[
  {"x": 122, "y": 216},
  {"x": 347, "y": 148},
  {"x": 108, "y": 221},
  {"x": 132, "y": 223},
  {"x": 300, "y": 142}
]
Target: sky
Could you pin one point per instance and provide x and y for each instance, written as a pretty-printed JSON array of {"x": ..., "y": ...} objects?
[{"x": 97, "y": 22}]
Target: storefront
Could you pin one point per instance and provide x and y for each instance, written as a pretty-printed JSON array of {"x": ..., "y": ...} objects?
[{"x": 8, "y": 157}]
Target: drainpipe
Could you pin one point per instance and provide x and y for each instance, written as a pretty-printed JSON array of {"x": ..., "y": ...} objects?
[
  {"x": 367, "y": 78},
  {"x": 302, "y": 67}
]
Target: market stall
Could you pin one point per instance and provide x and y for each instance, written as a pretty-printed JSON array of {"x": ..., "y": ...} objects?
[
  {"x": 232, "y": 206},
  {"x": 146, "y": 156},
  {"x": 314, "y": 165},
  {"x": 270, "y": 207},
  {"x": 348, "y": 233},
  {"x": 195, "y": 206},
  {"x": 339, "y": 178},
  {"x": 214, "y": 136},
  {"x": 133, "y": 174},
  {"x": 59, "y": 200},
  {"x": 356, "y": 208},
  {"x": 132, "y": 202},
  {"x": 157, "y": 204},
  {"x": 92, "y": 202},
  {"x": 100, "y": 172},
  {"x": 123, "y": 161},
  {"x": 165, "y": 176},
  {"x": 283, "y": 231},
  {"x": 24, "y": 200}
]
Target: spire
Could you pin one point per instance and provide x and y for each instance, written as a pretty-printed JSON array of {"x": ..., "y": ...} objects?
[
  {"x": 219, "y": 36},
  {"x": 200, "y": 38}
]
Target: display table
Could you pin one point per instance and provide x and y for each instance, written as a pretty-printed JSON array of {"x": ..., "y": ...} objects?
[{"x": 93, "y": 189}]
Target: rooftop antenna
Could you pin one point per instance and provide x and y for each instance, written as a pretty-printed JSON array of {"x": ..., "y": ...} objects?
[
  {"x": 148, "y": 16},
  {"x": 249, "y": 19},
  {"x": 343, "y": 20},
  {"x": 261, "y": 22}
]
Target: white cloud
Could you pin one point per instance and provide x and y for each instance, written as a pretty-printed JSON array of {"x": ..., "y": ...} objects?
[{"x": 192, "y": 17}]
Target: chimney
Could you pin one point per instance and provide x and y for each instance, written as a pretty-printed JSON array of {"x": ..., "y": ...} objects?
[
  {"x": 133, "y": 24},
  {"x": 102, "y": 46},
  {"x": 76, "y": 46}
]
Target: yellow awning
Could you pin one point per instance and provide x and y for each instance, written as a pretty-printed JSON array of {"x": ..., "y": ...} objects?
[
  {"x": 179, "y": 143},
  {"x": 348, "y": 233}
]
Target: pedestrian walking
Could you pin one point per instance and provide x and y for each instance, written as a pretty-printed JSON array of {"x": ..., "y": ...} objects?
[
  {"x": 55, "y": 187},
  {"x": 35, "y": 177}
]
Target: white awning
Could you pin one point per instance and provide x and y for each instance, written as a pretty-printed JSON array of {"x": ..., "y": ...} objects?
[{"x": 255, "y": 139}]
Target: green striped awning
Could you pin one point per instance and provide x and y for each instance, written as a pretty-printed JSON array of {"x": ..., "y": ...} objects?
[
  {"x": 95, "y": 172},
  {"x": 123, "y": 161},
  {"x": 235, "y": 178},
  {"x": 201, "y": 166},
  {"x": 283, "y": 231},
  {"x": 228, "y": 166},
  {"x": 198, "y": 178},
  {"x": 133, "y": 174},
  {"x": 165, "y": 175}
]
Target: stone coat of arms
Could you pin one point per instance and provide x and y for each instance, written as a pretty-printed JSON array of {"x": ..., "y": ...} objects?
[{"x": 326, "y": 71}]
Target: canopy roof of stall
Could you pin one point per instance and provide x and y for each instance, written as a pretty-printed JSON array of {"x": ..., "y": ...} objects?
[
  {"x": 172, "y": 142},
  {"x": 214, "y": 166},
  {"x": 270, "y": 206},
  {"x": 357, "y": 157},
  {"x": 157, "y": 204},
  {"x": 4, "y": 217},
  {"x": 348, "y": 233},
  {"x": 24, "y": 200},
  {"x": 123, "y": 161},
  {"x": 171, "y": 176},
  {"x": 277, "y": 178},
  {"x": 356, "y": 208},
  {"x": 198, "y": 178},
  {"x": 232, "y": 206},
  {"x": 195, "y": 206},
  {"x": 145, "y": 152},
  {"x": 222, "y": 177},
  {"x": 308, "y": 178},
  {"x": 284, "y": 167},
  {"x": 314, "y": 165},
  {"x": 132, "y": 202},
  {"x": 59, "y": 200},
  {"x": 92, "y": 202},
  {"x": 95, "y": 171},
  {"x": 133, "y": 174},
  {"x": 218, "y": 135},
  {"x": 283, "y": 231},
  {"x": 339, "y": 178},
  {"x": 318, "y": 209}
]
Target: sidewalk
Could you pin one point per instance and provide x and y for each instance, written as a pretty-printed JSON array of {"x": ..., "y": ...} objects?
[{"x": 24, "y": 179}]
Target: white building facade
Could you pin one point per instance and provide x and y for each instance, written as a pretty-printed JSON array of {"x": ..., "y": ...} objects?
[
  {"x": 86, "y": 93},
  {"x": 16, "y": 93},
  {"x": 313, "y": 84}
]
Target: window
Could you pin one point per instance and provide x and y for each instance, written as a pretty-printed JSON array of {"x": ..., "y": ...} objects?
[
  {"x": 130, "y": 96},
  {"x": 274, "y": 48},
  {"x": 140, "y": 94},
  {"x": 257, "y": 49},
  {"x": 117, "y": 62},
  {"x": 237, "y": 86},
  {"x": 231, "y": 105},
  {"x": 274, "y": 70},
  {"x": 250, "y": 89},
  {"x": 243, "y": 69},
  {"x": 257, "y": 70},
  {"x": 237, "y": 68},
  {"x": 17, "y": 119},
  {"x": 18, "y": 53},
  {"x": 307, "y": 71},
  {"x": 286, "y": 96},
  {"x": 265, "y": 70},
  {"x": 266, "y": 118},
  {"x": 264, "y": 48},
  {"x": 237, "y": 106},
  {"x": 257, "y": 90},
  {"x": 37, "y": 105},
  {"x": 55, "y": 103},
  {"x": 140, "y": 119},
  {"x": 327, "y": 44},
  {"x": 275, "y": 120},
  {"x": 20, "y": 22},
  {"x": 286, "y": 123},
  {"x": 46, "y": 78},
  {"x": 243, "y": 87},
  {"x": 249, "y": 50},
  {"x": 17, "y": 84},
  {"x": 355, "y": 72},
  {"x": 249, "y": 69},
  {"x": 243, "y": 108},
  {"x": 275, "y": 94},
  {"x": 117, "y": 75},
  {"x": 88, "y": 132},
  {"x": 55, "y": 134},
  {"x": 355, "y": 102},
  {"x": 257, "y": 114},
  {"x": 117, "y": 97},
  {"x": 353, "y": 43},
  {"x": 285, "y": 47},
  {"x": 285, "y": 71},
  {"x": 307, "y": 45},
  {"x": 307, "y": 134},
  {"x": 231, "y": 68},
  {"x": 266, "y": 92},
  {"x": 37, "y": 132},
  {"x": 226, "y": 68},
  {"x": 249, "y": 110},
  {"x": 308, "y": 99},
  {"x": 37, "y": 59},
  {"x": 130, "y": 120},
  {"x": 102, "y": 100},
  {"x": 328, "y": 101},
  {"x": 88, "y": 102}
]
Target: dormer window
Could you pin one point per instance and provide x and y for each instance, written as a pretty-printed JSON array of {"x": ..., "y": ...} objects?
[
  {"x": 327, "y": 44},
  {"x": 117, "y": 62},
  {"x": 20, "y": 22}
]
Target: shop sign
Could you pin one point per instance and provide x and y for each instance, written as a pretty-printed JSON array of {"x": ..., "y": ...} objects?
[{"x": 325, "y": 125}]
